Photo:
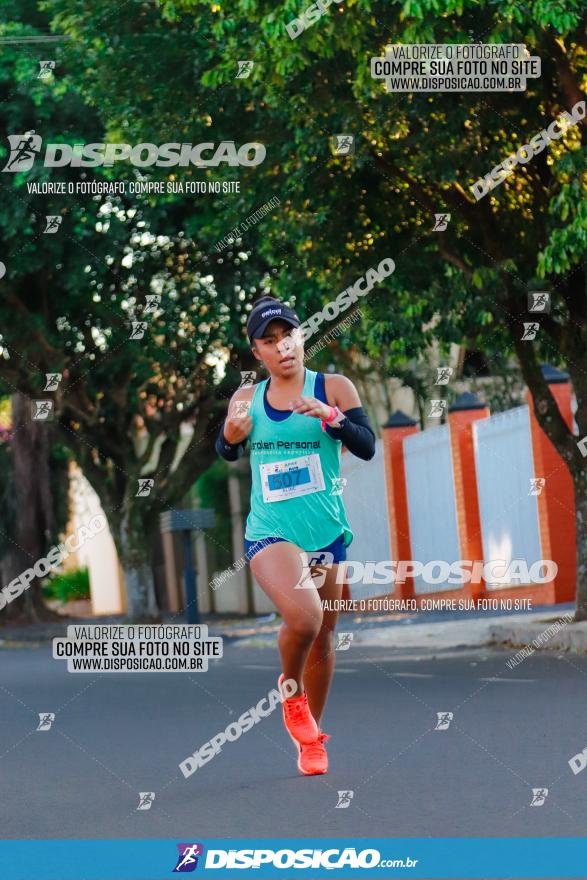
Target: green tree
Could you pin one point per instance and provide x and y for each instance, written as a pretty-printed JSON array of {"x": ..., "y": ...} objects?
[
  {"x": 416, "y": 154},
  {"x": 126, "y": 408},
  {"x": 151, "y": 71},
  {"x": 33, "y": 508}
]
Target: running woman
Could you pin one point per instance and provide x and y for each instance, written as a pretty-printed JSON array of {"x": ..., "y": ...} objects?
[{"x": 296, "y": 422}]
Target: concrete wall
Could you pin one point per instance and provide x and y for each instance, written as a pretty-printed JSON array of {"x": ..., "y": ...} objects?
[
  {"x": 365, "y": 504},
  {"x": 505, "y": 467},
  {"x": 99, "y": 554},
  {"x": 431, "y": 501}
]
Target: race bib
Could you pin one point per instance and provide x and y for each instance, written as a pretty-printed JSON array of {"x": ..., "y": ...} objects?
[{"x": 291, "y": 478}]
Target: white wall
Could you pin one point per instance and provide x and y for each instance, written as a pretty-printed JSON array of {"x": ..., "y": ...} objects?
[
  {"x": 504, "y": 465},
  {"x": 365, "y": 502},
  {"x": 434, "y": 531},
  {"x": 99, "y": 554}
]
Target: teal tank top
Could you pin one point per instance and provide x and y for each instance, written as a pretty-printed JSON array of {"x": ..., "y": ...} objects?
[{"x": 295, "y": 466}]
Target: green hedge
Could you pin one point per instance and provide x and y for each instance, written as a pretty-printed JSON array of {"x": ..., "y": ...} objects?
[{"x": 68, "y": 586}]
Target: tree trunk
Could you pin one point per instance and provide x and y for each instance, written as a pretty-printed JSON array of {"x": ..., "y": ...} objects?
[
  {"x": 34, "y": 514},
  {"x": 580, "y": 483},
  {"x": 140, "y": 591},
  {"x": 133, "y": 543},
  {"x": 560, "y": 435}
]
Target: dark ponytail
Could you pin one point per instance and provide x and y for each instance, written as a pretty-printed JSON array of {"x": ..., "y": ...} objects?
[{"x": 266, "y": 298}]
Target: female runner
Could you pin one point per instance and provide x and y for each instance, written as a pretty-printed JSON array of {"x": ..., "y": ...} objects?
[{"x": 296, "y": 422}]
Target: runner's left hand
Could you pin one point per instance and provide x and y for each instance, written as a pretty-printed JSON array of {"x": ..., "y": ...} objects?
[{"x": 310, "y": 406}]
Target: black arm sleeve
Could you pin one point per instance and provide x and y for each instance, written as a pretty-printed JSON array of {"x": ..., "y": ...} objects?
[
  {"x": 226, "y": 450},
  {"x": 356, "y": 433}
]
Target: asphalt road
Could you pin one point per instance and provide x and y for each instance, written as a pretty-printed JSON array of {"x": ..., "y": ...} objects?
[{"x": 117, "y": 735}]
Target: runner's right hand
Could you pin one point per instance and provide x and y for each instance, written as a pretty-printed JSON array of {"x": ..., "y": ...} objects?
[{"x": 237, "y": 427}]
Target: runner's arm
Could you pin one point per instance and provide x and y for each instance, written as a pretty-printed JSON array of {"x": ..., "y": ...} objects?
[
  {"x": 236, "y": 426},
  {"x": 355, "y": 432},
  {"x": 226, "y": 450}
]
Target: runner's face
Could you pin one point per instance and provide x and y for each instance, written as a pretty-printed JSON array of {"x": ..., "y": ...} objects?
[{"x": 280, "y": 349}]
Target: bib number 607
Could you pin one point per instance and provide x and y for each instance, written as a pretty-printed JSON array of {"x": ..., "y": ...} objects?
[{"x": 287, "y": 479}]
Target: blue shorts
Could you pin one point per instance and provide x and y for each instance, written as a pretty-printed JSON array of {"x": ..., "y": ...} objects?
[{"x": 337, "y": 548}]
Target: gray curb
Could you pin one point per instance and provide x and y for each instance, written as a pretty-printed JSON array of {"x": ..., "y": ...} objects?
[{"x": 572, "y": 637}]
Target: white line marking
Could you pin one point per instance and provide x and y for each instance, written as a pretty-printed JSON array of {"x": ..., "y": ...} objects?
[
  {"x": 508, "y": 679},
  {"x": 412, "y": 675}
]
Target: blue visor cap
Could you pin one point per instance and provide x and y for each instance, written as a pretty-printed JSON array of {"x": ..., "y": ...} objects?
[{"x": 264, "y": 313}]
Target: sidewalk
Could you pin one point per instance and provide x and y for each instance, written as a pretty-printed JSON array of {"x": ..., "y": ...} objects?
[
  {"x": 434, "y": 631},
  {"x": 475, "y": 631},
  {"x": 428, "y": 631},
  {"x": 571, "y": 637},
  {"x": 437, "y": 631},
  {"x": 228, "y": 627}
]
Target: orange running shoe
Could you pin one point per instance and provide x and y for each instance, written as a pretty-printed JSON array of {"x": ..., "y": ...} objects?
[
  {"x": 297, "y": 718},
  {"x": 313, "y": 759}
]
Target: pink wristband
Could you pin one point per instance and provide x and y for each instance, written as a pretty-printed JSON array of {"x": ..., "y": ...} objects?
[{"x": 331, "y": 416}]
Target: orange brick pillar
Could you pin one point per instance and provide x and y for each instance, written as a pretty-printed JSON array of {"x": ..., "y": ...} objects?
[
  {"x": 394, "y": 431},
  {"x": 556, "y": 502},
  {"x": 464, "y": 412}
]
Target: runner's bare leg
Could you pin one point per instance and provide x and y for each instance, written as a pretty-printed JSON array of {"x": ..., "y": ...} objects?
[
  {"x": 278, "y": 569},
  {"x": 320, "y": 661}
]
